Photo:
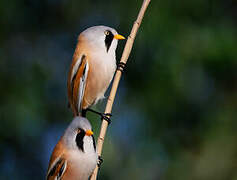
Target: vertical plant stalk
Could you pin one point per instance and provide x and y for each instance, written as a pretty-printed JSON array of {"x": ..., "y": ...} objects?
[{"x": 124, "y": 58}]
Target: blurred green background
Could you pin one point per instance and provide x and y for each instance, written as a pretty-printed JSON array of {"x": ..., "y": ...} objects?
[{"x": 175, "y": 113}]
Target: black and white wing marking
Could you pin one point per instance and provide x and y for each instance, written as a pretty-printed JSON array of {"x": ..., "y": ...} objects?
[
  {"x": 78, "y": 81},
  {"x": 57, "y": 169}
]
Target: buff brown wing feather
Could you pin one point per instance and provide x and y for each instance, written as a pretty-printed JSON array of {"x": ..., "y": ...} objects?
[{"x": 77, "y": 83}]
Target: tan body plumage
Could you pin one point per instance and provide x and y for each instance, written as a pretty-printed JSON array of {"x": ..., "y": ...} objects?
[{"x": 95, "y": 62}]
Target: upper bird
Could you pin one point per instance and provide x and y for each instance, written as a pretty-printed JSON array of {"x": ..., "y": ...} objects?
[
  {"x": 74, "y": 157},
  {"x": 93, "y": 66}
]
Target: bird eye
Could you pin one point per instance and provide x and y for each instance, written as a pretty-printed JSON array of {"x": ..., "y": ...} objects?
[
  {"x": 106, "y": 33},
  {"x": 78, "y": 130}
]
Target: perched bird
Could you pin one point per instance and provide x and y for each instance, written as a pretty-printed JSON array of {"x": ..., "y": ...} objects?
[
  {"x": 74, "y": 157},
  {"x": 93, "y": 66}
]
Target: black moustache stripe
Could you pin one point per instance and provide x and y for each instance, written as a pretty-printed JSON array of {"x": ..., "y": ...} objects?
[
  {"x": 108, "y": 40},
  {"x": 93, "y": 142},
  {"x": 79, "y": 140}
]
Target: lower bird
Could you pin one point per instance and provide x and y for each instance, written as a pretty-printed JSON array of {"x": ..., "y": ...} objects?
[
  {"x": 93, "y": 66},
  {"x": 74, "y": 157}
]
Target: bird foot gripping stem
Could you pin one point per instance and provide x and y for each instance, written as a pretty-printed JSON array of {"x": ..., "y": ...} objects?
[
  {"x": 121, "y": 66},
  {"x": 100, "y": 161},
  {"x": 104, "y": 116}
]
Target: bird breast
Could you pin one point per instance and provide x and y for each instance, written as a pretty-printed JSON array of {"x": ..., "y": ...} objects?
[
  {"x": 81, "y": 164},
  {"x": 102, "y": 66}
]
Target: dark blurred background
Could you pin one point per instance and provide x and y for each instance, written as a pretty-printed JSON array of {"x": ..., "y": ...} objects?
[{"x": 175, "y": 113}]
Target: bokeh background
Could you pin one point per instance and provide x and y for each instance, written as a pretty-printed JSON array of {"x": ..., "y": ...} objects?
[{"x": 175, "y": 113}]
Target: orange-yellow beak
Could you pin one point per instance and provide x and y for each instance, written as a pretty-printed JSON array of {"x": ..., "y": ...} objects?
[
  {"x": 89, "y": 133},
  {"x": 119, "y": 37}
]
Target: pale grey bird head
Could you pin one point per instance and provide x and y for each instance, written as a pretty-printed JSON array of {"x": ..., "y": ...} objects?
[
  {"x": 103, "y": 37},
  {"x": 79, "y": 135}
]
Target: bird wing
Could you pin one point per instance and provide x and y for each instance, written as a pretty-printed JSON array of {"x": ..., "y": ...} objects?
[
  {"x": 57, "y": 169},
  {"x": 77, "y": 83}
]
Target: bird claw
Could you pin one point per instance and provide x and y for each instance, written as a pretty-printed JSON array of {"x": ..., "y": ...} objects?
[
  {"x": 100, "y": 161},
  {"x": 121, "y": 66},
  {"x": 104, "y": 116}
]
